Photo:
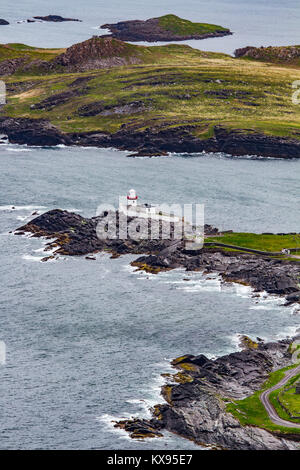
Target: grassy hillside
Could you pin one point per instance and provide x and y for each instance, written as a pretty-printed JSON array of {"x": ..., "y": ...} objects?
[
  {"x": 16, "y": 50},
  {"x": 167, "y": 86},
  {"x": 251, "y": 412}
]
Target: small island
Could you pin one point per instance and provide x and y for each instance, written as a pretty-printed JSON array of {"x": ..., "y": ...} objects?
[
  {"x": 164, "y": 28},
  {"x": 54, "y": 18}
]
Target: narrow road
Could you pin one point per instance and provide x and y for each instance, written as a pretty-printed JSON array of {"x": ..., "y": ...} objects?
[{"x": 264, "y": 398}]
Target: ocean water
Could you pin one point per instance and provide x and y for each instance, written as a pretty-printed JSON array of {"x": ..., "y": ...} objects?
[
  {"x": 256, "y": 23},
  {"x": 87, "y": 340}
]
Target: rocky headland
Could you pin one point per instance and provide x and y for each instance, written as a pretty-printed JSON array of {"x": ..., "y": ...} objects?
[
  {"x": 165, "y": 28},
  {"x": 77, "y": 236},
  {"x": 198, "y": 394}
]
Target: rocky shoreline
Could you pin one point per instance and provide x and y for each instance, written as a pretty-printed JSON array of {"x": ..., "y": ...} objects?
[
  {"x": 77, "y": 236},
  {"x": 152, "y": 141},
  {"x": 198, "y": 393}
]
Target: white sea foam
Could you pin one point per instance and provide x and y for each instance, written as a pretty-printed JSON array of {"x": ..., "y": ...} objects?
[
  {"x": 11, "y": 149},
  {"x": 31, "y": 258},
  {"x": 109, "y": 422}
]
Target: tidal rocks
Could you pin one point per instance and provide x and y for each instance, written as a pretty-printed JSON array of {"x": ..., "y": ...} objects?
[
  {"x": 54, "y": 18},
  {"x": 167, "y": 28},
  {"x": 261, "y": 273},
  {"x": 140, "y": 429},
  {"x": 3, "y": 22},
  {"x": 196, "y": 408}
]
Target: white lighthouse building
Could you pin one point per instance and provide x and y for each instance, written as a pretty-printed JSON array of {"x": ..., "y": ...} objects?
[
  {"x": 132, "y": 198},
  {"x": 129, "y": 206}
]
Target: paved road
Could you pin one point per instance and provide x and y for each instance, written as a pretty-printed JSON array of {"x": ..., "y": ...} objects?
[{"x": 270, "y": 409}]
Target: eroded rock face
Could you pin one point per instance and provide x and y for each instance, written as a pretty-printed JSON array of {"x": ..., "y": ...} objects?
[
  {"x": 151, "y": 31},
  {"x": 284, "y": 54},
  {"x": 196, "y": 409},
  {"x": 32, "y": 132}
]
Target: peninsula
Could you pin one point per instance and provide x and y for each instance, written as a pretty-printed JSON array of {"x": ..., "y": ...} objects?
[{"x": 150, "y": 100}]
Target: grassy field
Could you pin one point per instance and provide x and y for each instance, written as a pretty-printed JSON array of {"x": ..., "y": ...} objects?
[
  {"x": 272, "y": 243},
  {"x": 179, "y": 85},
  {"x": 184, "y": 27},
  {"x": 251, "y": 411},
  {"x": 291, "y": 400}
]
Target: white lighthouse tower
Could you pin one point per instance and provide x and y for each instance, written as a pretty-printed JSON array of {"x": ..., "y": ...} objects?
[{"x": 132, "y": 198}]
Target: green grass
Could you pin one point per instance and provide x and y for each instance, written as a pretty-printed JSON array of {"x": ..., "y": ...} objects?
[
  {"x": 15, "y": 50},
  {"x": 272, "y": 243},
  {"x": 289, "y": 399},
  {"x": 185, "y": 27},
  {"x": 182, "y": 85},
  {"x": 251, "y": 412}
]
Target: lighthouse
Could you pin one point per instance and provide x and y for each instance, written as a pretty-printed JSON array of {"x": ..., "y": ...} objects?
[{"x": 132, "y": 198}]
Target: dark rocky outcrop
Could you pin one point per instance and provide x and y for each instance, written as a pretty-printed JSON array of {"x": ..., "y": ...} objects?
[
  {"x": 32, "y": 132},
  {"x": 99, "y": 108},
  {"x": 152, "y": 31},
  {"x": 3, "y": 22},
  {"x": 96, "y": 53},
  {"x": 10, "y": 66},
  {"x": 58, "y": 99},
  {"x": 280, "y": 55},
  {"x": 197, "y": 397},
  {"x": 54, "y": 18}
]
